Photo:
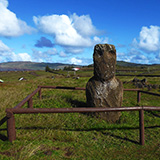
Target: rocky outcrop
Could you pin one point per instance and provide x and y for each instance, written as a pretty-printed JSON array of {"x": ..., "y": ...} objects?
[
  {"x": 104, "y": 89},
  {"x": 144, "y": 84}
]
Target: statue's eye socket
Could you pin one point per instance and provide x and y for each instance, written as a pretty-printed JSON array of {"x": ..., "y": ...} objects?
[
  {"x": 112, "y": 52},
  {"x": 100, "y": 53}
]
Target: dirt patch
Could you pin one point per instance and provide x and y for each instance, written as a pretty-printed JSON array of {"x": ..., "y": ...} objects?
[
  {"x": 7, "y": 153},
  {"x": 2, "y": 84},
  {"x": 49, "y": 152},
  {"x": 69, "y": 152},
  {"x": 34, "y": 74}
]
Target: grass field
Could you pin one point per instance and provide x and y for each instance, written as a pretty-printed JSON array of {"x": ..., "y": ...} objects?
[{"x": 74, "y": 135}]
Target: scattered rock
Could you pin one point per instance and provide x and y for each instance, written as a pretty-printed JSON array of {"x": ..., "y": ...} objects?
[
  {"x": 144, "y": 81},
  {"x": 155, "y": 86},
  {"x": 135, "y": 80},
  {"x": 1, "y": 81},
  {"x": 144, "y": 84},
  {"x": 21, "y": 79},
  {"x": 149, "y": 87}
]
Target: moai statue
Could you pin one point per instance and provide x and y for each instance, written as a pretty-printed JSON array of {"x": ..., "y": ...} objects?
[{"x": 104, "y": 89}]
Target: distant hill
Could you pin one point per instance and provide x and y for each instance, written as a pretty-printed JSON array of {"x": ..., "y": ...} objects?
[
  {"x": 22, "y": 66},
  {"x": 128, "y": 64},
  {"x": 122, "y": 64},
  {"x": 19, "y": 66}
]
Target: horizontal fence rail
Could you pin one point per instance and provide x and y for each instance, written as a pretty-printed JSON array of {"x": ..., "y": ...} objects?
[
  {"x": 11, "y": 131},
  {"x": 28, "y": 99},
  {"x": 71, "y": 110},
  {"x": 60, "y": 87},
  {"x": 79, "y": 110}
]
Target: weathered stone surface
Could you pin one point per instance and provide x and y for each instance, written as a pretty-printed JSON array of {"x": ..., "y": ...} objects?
[
  {"x": 105, "y": 94},
  {"x": 104, "y": 61},
  {"x": 104, "y": 89}
]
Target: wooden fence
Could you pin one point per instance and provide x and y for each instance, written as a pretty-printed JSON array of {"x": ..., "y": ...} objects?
[{"x": 11, "y": 130}]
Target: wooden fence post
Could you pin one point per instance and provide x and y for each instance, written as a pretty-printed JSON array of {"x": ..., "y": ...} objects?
[
  {"x": 30, "y": 103},
  {"x": 11, "y": 130},
  {"x": 40, "y": 94},
  {"x": 138, "y": 96},
  {"x": 141, "y": 126}
]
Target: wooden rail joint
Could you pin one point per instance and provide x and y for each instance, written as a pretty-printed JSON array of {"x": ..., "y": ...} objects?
[{"x": 9, "y": 113}]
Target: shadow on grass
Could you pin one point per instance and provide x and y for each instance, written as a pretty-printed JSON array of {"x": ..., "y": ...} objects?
[
  {"x": 154, "y": 114},
  {"x": 121, "y": 138},
  {"x": 101, "y": 130},
  {"x": 76, "y": 103},
  {"x": 3, "y": 137}
]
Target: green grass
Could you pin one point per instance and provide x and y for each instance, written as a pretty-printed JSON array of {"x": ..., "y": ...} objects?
[{"x": 74, "y": 135}]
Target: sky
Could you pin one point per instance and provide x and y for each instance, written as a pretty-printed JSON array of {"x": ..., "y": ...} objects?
[{"x": 66, "y": 31}]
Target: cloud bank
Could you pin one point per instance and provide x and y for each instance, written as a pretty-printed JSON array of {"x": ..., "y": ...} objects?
[
  {"x": 65, "y": 29},
  {"x": 146, "y": 48},
  {"x": 149, "y": 39},
  {"x": 73, "y": 33},
  {"x": 10, "y": 25},
  {"x": 6, "y": 54},
  {"x": 3, "y": 47}
]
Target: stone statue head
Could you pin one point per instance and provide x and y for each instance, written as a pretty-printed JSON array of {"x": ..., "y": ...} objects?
[{"x": 104, "y": 61}]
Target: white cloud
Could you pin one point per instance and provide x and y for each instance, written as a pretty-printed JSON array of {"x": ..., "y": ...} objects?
[
  {"x": 139, "y": 59},
  {"x": 158, "y": 56},
  {"x": 10, "y": 25},
  {"x": 146, "y": 48},
  {"x": 83, "y": 25},
  {"x": 73, "y": 33},
  {"x": 62, "y": 54},
  {"x": 75, "y": 61},
  {"x": 120, "y": 54},
  {"x": 97, "y": 40},
  {"x": 6, "y": 54},
  {"x": 149, "y": 39},
  {"x": 12, "y": 56},
  {"x": 20, "y": 57},
  {"x": 155, "y": 60},
  {"x": 4, "y": 3},
  {"x": 3, "y": 47},
  {"x": 52, "y": 51},
  {"x": 24, "y": 57},
  {"x": 61, "y": 27},
  {"x": 44, "y": 56},
  {"x": 73, "y": 50},
  {"x": 105, "y": 40}
]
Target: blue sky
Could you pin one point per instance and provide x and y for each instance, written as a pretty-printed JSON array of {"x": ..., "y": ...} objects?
[{"x": 66, "y": 31}]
